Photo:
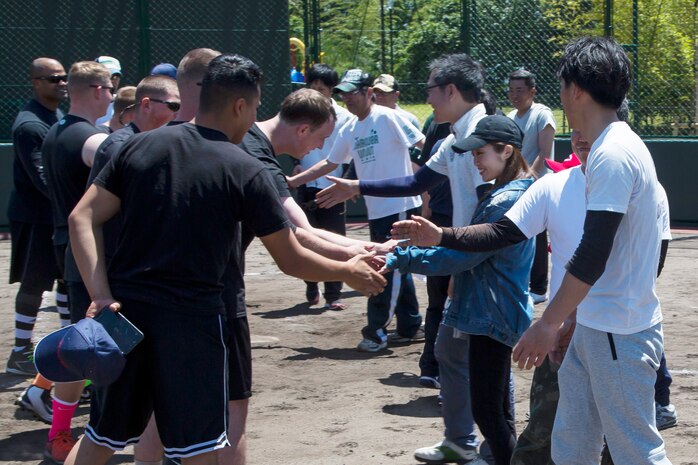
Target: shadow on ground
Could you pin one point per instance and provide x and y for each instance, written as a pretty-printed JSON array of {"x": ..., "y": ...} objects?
[
  {"x": 310, "y": 353},
  {"x": 423, "y": 407}
]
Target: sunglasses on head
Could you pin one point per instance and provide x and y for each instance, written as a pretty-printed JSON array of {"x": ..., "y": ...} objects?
[
  {"x": 172, "y": 106},
  {"x": 111, "y": 89},
  {"x": 53, "y": 79}
]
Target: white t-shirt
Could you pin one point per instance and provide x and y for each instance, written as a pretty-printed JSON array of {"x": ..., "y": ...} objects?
[
  {"x": 621, "y": 178},
  {"x": 555, "y": 202},
  {"x": 464, "y": 177},
  {"x": 379, "y": 147},
  {"x": 408, "y": 116},
  {"x": 531, "y": 123},
  {"x": 664, "y": 223},
  {"x": 316, "y": 155}
]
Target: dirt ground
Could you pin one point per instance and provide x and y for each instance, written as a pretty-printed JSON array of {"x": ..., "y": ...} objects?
[{"x": 317, "y": 401}]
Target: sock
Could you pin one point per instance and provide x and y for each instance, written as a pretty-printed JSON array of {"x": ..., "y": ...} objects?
[
  {"x": 62, "y": 303},
  {"x": 62, "y": 415},
  {"x": 26, "y": 308},
  {"x": 143, "y": 462},
  {"x": 42, "y": 382}
]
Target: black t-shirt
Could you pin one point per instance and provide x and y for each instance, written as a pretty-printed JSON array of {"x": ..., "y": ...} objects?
[
  {"x": 259, "y": 146},
  {"x": 183, "y": 190},
  {"x": 110, "y": 230},
  {"x": 440, "y": 196},
  {"x": 66, "y": 173},
  {"x": 29, "y": 201}
]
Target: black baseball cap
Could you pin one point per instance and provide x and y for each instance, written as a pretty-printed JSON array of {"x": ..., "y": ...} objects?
[
  {"x": 352, "y": 80},
  {"x": 494, "y": 128}
]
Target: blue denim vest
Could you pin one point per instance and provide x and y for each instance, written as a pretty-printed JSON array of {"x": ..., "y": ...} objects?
[{"x": 490, "y": 288}]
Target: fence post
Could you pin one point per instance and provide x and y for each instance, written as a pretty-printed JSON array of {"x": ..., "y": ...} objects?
[
  {"x": 608, "y": 19},
  {"x": 144, "y": 37}
]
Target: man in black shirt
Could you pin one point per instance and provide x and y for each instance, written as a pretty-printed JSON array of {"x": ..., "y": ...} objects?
[
  {"x": 182, "y": 191},
  {"x": 66, "y": 156},
  {"x": 32, "y": 262}
]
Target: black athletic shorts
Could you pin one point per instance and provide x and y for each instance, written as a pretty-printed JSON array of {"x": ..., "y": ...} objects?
[
  {"x": 239, "y": 359},
  {"x": 32, "y": 261},
  {"x": 59, "y": 254},
  {"x": 179, "y": 373},
  {"x": 78, "y": 300}
]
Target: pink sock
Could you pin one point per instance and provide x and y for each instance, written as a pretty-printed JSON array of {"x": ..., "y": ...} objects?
[{"x": 62, "y": 414}]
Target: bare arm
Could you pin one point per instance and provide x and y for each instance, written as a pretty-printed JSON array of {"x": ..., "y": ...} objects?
[
  {"x": 96, "y": 207},
  {"x": 546, "y": 137},
  {"x": 324, "y": 242},
  {"x": 302, "y": 263},
  {"x": 89, "y": 148},
  {"x": 320, "y": 168}
]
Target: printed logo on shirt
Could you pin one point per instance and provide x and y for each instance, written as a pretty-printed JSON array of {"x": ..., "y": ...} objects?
[
  {"x": 408, "y": 132},
  {"x": 364, "y": 147}
]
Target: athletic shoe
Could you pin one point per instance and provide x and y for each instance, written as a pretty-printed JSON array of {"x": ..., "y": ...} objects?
[
  {"x": 395, "y": 338},
  {"x": 58, "y": 448},
  {"x": 22, "y": 362},
  {"x": 336, "y": 305},
  {"x": 538, "y": 298},
  {"x": 37, "y": 401},
  {"x": 666, "y": 416},
  {"x": 448, "y": 452},
  {"x": 369, "y": 345},
  {"x": 431, "y": 382}
]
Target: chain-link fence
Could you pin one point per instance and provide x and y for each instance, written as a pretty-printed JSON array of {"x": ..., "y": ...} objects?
[
  {"x": 140, "y": 33},
  {"x": 401, "y": 37}
]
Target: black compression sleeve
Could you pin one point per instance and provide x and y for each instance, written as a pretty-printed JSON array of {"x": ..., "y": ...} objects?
[
  {"x": 589, "y": 260},
  {"x": 422, "y": 181},
  {"x": 482, "y": 237},
  {"x": 662, "y": 255}
]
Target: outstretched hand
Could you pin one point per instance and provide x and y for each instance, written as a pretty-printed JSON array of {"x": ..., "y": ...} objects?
[
  {"x": 362, "y": 275},
  {"x": 340, "y": 191},
  {"x": 418, "y": 231}
]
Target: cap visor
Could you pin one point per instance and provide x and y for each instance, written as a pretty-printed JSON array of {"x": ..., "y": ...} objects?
[
  {"x": 468, "y": 144},
  {"x": 556, "y": 166},
  {"x": 46, "y": 358},
  {"x": 344, "y": 87}
]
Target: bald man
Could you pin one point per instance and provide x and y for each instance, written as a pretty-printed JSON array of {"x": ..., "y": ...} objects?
[{"x": 29, "y": 211}]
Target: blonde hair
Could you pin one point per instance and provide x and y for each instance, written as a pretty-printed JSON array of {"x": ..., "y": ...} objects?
[
  {"x": 193, "y": 65},
  {"x": 124, "y": 97},
  {"x": 86, "y": 73}
]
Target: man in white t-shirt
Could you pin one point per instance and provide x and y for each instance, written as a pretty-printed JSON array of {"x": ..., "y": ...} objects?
[
  {"x": 608, "y": 374},
  {"x": 386, "y": 92},
  {"x": 377, "y": 139},
  {"x": 323, "y": 78},
  {"x": 538, "y": 125}
]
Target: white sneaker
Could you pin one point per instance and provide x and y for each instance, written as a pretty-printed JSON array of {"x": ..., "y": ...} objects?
[
  {"x": 369, "y": 345},
  {"x": 37, "y": 401},
  {"x": 448, "y": 452},
  {"x": 538, "y": 298}
]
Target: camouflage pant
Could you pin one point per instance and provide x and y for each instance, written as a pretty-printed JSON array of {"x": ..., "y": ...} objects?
[{"x": 533, "y": 445}]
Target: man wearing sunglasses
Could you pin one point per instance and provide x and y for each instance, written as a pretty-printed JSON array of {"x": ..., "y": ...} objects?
[
  {"x": 29, "y": 211},
  {"x": 67, "y": 154}
]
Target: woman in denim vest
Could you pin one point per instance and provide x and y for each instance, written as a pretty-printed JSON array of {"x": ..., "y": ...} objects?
[{"x": 489, "y": 310}]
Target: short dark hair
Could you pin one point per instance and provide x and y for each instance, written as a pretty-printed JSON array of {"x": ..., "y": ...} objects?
[
  {"x": 306, "y": 106},
  {"x": 489, "y": 101},
  {"x": 462, "y": 71},
  {"x": 523, "y": 75},
  {"x": 324, "y": 73},
  {"x": 623, "y": 111},
  {"x": 599, "y": 66},
  {"x": 229, "y": 77}
]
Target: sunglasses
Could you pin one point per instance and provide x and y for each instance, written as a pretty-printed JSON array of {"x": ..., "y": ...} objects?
[
  {"x": 111, "y": 89},
  {"x": 172, "y": 106},
  {"x": 53, "y": 79}
]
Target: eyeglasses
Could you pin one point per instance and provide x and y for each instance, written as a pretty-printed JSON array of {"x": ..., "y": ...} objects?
[
  {"x": 428, "y": 88},
  {"x": 53, "y": 79},
  {"x": 111, "y": 89},
  {"x": 351, "y": 94},
  {"x": 173, "y": 106}
]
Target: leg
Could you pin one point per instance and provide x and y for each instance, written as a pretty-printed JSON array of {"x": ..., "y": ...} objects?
[
  {"x": 490, "y": 370},
  {"x": 533, "y": 445},
  {"x": 87, "y": 452},
  {"x": 207, "y": 458},
  {"x": 577, "y": 434},
  {"x": 452, "y": 354},
  {"x": 149, "y": 447},
  {"x": 661, "y": 386},
  {"x": 332, "y": 219},
  {"x": 437, "y": 290},
  {"x": 624, "y": 391},
  {"x": 236, "y": 454},
  {"x": 539, "y": 270}
]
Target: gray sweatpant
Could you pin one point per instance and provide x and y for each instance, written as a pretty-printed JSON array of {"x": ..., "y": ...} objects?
[{"x": 607, "y": 389}]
